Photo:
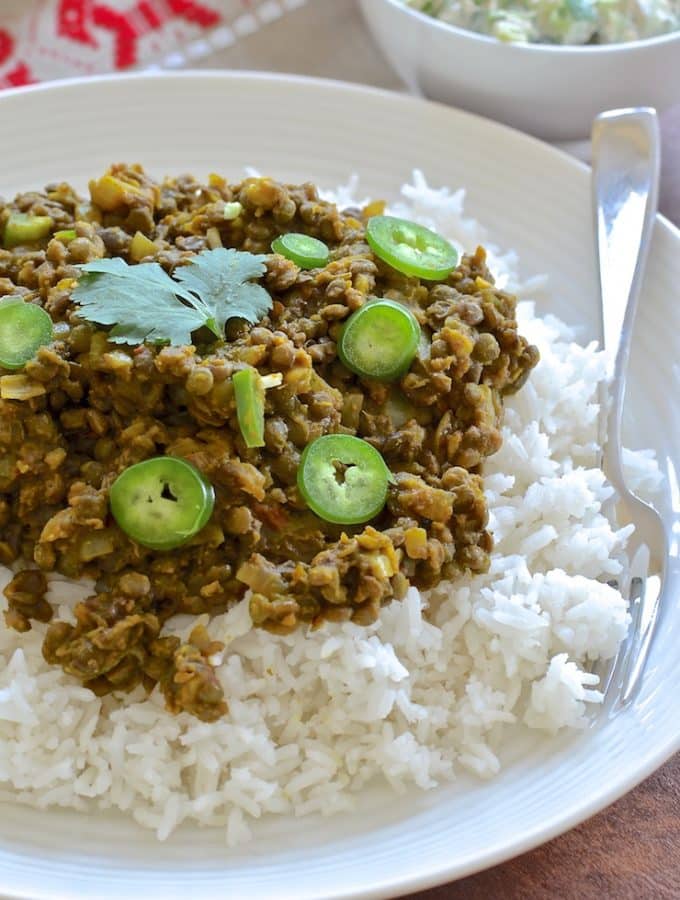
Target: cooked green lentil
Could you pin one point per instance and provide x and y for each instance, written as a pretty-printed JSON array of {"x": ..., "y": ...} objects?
[{"x": 84, "y": 409}]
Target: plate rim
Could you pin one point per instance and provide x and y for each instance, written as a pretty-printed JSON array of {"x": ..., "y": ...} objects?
[
  {"x": 384, "y": 887},
  {"x": 267, "y": 75}
]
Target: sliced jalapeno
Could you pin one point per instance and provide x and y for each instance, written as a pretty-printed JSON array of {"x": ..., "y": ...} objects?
[
  {"x": 249, "y": 393},
  {"x": 22, "y": 228},
  {"x": 343, "y": 479},
  {"x": 305, "y": 251},
  {"x": 161, "y": 502},
  {"x": 380, "y": 340},
  {"x": 68, "y": 234},
  {"x": 24, "y": 328},
  {"x": 411, "y": 248}
]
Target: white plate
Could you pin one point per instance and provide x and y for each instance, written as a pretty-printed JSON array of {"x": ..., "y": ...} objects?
[{"x": 532, "y": 198}]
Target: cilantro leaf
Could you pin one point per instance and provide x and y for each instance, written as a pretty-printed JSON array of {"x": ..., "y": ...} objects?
[
  {"x": 222, "y": 279},
  {"x": 144, "y": 303},
  {"x": 139, "y": 301}
]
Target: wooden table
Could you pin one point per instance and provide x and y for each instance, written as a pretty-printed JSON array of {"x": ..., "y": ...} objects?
[{"x": 632, "y": 849}]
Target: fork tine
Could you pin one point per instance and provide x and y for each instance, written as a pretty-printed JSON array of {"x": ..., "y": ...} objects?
[
  {"x": 613, "y": 673},
  {"x": 610, "y": 671},
  {"x": 605, "y": 671},
  {"x": 649, "y": 601},
  {"x": 604, "y": 668},
  {"x": 642, "y": 621},
  {"x": 627, "y": 651}
]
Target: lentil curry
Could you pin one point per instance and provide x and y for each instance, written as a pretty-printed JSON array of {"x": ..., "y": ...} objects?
[{"x": 241, "y": 411}]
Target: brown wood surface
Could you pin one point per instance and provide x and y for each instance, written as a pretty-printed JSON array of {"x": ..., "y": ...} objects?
[{"x": 629, "y": 851}]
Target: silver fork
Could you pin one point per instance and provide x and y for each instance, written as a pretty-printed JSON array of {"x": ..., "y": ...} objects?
[{"x": 625, "y": 161}]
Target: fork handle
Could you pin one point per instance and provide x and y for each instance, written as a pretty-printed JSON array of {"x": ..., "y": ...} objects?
[{"x": 625, "y": 184}]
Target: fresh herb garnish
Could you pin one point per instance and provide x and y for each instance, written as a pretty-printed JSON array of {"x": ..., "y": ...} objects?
[{"x": 144, "y": 303}]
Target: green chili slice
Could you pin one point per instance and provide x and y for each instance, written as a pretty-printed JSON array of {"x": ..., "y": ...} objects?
[
  {"x": 24, "y": 328},
  {"x": 68, "y": 234},
  {"x": 380, "y": 340},
  {"x": 22, "y": 228},
  {"x": 249, "y": 393},
  {"x": 411, "y": 248},
  {"x": 162, "y": 502},
  {"x": 343, "y": 479},
  {"x": 305, "y": 251}
]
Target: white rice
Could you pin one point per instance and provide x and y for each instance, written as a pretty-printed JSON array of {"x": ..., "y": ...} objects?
[{"x": 413, "y": 699}]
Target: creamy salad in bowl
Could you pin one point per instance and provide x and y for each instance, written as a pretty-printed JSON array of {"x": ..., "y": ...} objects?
[{"x": 558, "y": 21}]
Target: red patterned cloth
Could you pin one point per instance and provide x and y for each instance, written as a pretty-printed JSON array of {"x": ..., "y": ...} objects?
[{"x": 47, "y": 39}]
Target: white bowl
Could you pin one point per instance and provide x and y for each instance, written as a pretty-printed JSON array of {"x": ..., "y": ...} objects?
[
  {"x": 551, "y": 91},
  {"x": 530, "y": 197}
]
